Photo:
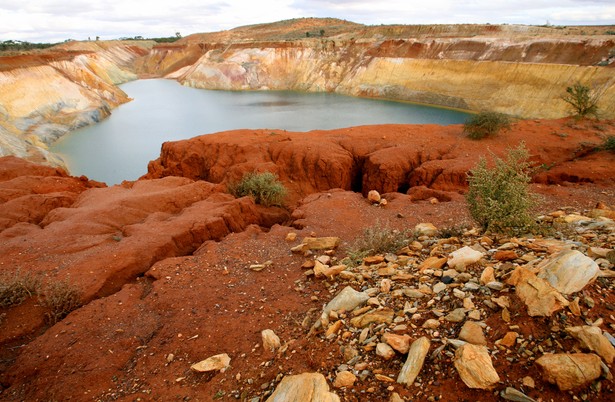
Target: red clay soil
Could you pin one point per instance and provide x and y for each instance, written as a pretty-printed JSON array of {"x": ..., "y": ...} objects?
[{"x": 162, "y": 264}]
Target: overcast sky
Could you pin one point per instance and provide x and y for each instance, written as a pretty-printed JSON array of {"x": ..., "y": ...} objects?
[{"x": 57, "y": 20}]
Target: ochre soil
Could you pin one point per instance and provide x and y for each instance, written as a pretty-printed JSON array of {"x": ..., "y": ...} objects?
[{"x": 163, "y": 263}]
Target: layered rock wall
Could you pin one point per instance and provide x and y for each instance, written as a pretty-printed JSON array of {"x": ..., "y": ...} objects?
[
  {"x": 517, "y": 70},
  {"x": 523, "y": 78},
  {"x": 42, "y": 99}
]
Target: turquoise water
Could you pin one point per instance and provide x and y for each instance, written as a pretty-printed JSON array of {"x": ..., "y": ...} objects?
[{"x": 120, "y": 147}]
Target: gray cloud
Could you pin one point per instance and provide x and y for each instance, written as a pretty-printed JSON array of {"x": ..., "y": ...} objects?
[{"x": 56, "y": 20}]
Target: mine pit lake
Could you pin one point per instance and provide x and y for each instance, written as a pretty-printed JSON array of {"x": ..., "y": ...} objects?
[{"x": 120, "y": 147}]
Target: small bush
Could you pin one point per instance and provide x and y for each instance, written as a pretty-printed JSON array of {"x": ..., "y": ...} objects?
[
  {"x": 582, "y": 99},
  {"x": 485, "y": 124},
  {"x": 378, "y": 240},
  {"x": 16, "y": 287},
  {"x": 265, "y": 188},
  {"x": 60, "y": 298},
  {"x": 499, "y": 198},
  {"x": 608, "y": 144}
]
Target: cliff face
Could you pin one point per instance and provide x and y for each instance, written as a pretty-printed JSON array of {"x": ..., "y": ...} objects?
[
  {"x": 517, "y": 70},
  {"x": 524, "y": 78},
  {"x": 44, "y": 98}
]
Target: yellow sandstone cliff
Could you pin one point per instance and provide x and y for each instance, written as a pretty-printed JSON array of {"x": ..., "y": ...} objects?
[
  {"x": 518, "y": 70},
  {"x": 42, "y": 99}
]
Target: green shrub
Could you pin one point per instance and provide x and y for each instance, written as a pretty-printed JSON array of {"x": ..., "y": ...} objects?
[
  {"x": 16, "y": 287},
  {"x": 499, "y": 198},
  {"x": 485, "y": 124},
  {"x": 60, "y": 298},
  {"x": 582, "y": 99},
  {"x": 609, "y": 143},
  {"x": 264, "y": 188},
  {"x": 378, "y": 240}
]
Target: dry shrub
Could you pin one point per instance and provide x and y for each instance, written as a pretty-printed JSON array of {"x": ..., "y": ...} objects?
[
  {"x": 60, "y": 298},
  {"x": 16, "y": 287},
  {"x": 378, "y": 240}
]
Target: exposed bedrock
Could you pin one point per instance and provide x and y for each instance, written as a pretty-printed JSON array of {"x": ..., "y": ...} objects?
[
  {"x": 104, "y": 237},
  {"x": 521, "y": 76},
  {"x": 517, "y": 70},
  {"x": 389, "y": 158}
]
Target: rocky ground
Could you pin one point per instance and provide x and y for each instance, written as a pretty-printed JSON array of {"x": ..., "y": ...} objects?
[{"x": 172, "y": 271}]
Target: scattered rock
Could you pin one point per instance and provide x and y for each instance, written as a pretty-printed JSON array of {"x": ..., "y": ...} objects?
[
  {"x": 463, "y": 257},
  {"x": 473, "y": 333},
  {"x": 505, "y": 255},
  {"x": 570, "y": 371},
  {"x": 474, "y": 366},
  {"x": 344, "y": 379},
  {"x": 214, "y": 363},
  {"x": 540, "y": 298},
  {"x": 308, "y": 387},
  {"x": 457, "y": 315},
  {"x": 348, "y": 299},
  {"x": 373, "y": 196},
  {"x": 425, "y": 229},
  {"x": 569, "y": 271},
  {"x": 414, "y": 362},
  {"x": 317, "y": 243},
  {"x": 400, "y": 343},
  {"x": 509, "y": 339},
  {"x": 591, "y": 338},
  {"x": 270, "y": 340},
  {"x": 511, "y": 394},
  {"x": 433, "y": 263},
  {"x": 528, "y": 381},
  {"x": 395, "y": 397},
  {"x": 487, "y": 276},
  {"x": 374, "y": 317},
  {"x": 385, "y": 351}
]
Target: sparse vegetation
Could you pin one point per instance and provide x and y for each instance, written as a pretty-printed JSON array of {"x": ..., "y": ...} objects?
[
  {"x": 452, "y": 231},
  {"x": 608, "y": 144},
  {"x": 583, "y": 100},
  {"x": 486, "y": 124},
  {"x": 18, "y": 45},
  {"x": 264, "y": 188},
  {"x": 60, "y": 298},
  {"x": 16, "y": 287},
  {"x": 378, "y": 240},
  {"x": 499, "y": 198}
]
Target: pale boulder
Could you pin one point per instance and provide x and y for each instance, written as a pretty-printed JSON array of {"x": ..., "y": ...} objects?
[
  {"x": 463, "y": 257},
  {"x": 306, "y": 387},
  {"x": 348, "y": 299},
  {"x": 425, "y": 229},
  {"x": 474, "y": 366},
  {"x": 271, "y": 341},
  {"x": 214, "y": 363},
  {"x": 374, "y": 197},
  {"x": 414, "y": 362},
  {"x": 569, "y": 271},
  {"x": 569, "y": 371}
]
